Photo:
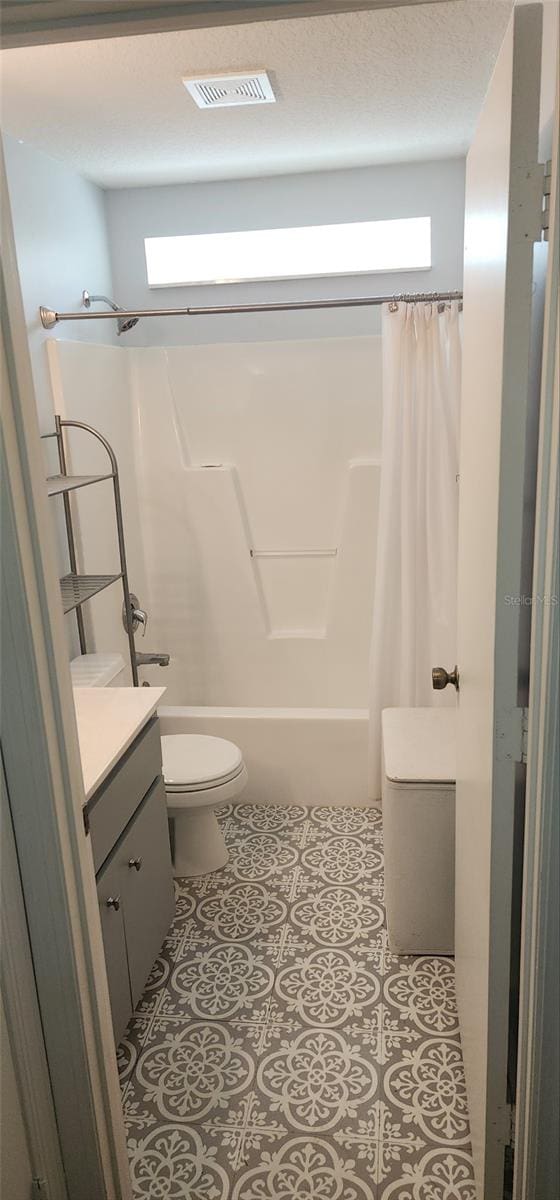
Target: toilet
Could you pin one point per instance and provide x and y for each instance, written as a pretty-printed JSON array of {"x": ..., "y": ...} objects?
[
  {"x": 200, "y": 773},
  {"x": 418, "y": 799}
]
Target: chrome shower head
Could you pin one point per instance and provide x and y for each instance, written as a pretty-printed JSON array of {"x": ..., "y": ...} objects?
[{"x": 122, "y": 326}]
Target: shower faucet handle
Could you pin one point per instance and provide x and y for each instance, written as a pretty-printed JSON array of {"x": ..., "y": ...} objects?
[
  {"x": 137, "y": 615},
  {"x": 140, "y": 617}
]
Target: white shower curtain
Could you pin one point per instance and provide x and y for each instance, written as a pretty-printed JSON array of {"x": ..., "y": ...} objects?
[{"x": 414, "y": 615}]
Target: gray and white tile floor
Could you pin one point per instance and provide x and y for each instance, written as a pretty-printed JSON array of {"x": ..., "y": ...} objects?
[{"x": 280, "y": 1050}]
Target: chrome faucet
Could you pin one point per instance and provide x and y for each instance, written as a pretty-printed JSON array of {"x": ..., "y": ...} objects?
[{"x": 152, "y": 660}]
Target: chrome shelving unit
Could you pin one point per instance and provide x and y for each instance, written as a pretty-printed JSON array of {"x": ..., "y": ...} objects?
[{"x": 76, "y": 588}]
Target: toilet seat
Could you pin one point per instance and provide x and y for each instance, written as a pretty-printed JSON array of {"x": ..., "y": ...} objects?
[{"x": 194, "y": 762}]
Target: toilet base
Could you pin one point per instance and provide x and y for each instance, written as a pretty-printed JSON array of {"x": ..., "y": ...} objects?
[{"x": 199, "y": 845}]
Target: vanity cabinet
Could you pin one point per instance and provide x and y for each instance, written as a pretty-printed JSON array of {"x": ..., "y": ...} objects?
[{"x": 130, "y": 842}]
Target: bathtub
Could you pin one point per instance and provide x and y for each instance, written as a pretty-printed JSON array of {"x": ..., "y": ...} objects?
[{"x": 293, "y": 755}]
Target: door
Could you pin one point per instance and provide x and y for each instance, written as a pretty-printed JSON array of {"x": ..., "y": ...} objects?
[
  {"x": 111, "y": 912},
  {"x": 147, "y": 886},
  {"x": 503, "y": 220}
]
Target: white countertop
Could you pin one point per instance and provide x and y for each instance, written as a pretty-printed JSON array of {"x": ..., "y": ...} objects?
[{"x": 108, "y": 720}]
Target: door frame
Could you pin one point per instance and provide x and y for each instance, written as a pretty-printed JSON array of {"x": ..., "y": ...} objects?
[
  {"x": 23, "y": 1019},
  {"x": 71, "y": 22},
  {"x": 41, "y": 684},
  {"x": 536, "y": 1125},
  {"x": 37, "y": 712}
]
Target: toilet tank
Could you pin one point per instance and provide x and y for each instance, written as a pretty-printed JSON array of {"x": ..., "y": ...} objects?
[{"x": 98, "y": 670}]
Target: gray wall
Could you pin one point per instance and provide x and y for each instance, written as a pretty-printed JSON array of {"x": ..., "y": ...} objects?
[
  {"x": 62, "y": 248},
  {"x": 433, "y": 189}
]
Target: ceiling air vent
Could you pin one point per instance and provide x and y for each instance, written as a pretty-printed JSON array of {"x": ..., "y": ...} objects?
[{"x": 223, "y": 91}]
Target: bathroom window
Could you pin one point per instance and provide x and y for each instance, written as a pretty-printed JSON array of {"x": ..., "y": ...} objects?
[{"x": 360, "y": 248}]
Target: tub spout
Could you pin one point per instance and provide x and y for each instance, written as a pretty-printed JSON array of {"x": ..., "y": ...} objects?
[{"x": 152, "y": 660}]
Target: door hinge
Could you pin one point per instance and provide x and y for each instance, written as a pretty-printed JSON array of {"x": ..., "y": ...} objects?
[
  {"x": 39, "y": 1189},
  {"x": 524, "y": 734},
  {"x": 547, "y": 185},
  {"x": 512, "y": 735},
  {"x": 85, "y": 817},
  {"x": 512, "y": 1126}
]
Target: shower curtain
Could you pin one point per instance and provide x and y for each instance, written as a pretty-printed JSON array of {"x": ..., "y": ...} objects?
[{"x": 414, "y": 615}]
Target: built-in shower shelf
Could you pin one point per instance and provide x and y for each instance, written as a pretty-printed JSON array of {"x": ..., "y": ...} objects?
[
  {"x": 76, "y": 589},
  {"x": 56, "y": 484}
]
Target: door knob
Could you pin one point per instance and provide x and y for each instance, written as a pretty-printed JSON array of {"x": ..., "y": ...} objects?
[
  {"x": 135, "y": 862},
  {"x": 114, "y": 902},
  {"x": 441, "y": 677}
]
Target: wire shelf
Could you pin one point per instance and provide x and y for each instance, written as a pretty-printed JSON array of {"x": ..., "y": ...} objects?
[
  {"x": 57, "y": 484},
  {"x": 76, "y": 589}
]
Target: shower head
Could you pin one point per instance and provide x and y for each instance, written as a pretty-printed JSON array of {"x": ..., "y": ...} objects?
[{"x": 122, "y": 326}]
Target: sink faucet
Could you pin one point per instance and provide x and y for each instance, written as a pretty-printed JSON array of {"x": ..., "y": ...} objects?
[{"x": 156, "y": 660}]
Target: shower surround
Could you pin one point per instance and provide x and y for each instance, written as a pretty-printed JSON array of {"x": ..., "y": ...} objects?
[{"x": 250, "y": 489}]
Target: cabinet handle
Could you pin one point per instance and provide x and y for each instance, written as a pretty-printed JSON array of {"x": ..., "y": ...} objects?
[
  {"x": 135, "y": 862},
  {"x": 114, "y": 902}
]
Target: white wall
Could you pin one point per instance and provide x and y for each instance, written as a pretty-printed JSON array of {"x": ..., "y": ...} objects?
[
  {"x": 266, "y": 446},
  {"x": 433, "y": 189},
  {"x": 62, "y": 248}
]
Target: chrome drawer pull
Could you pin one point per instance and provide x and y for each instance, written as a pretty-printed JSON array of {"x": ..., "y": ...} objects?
[
  {"x": 114, "y": 902},
  {"x": 135, "y": 862}
]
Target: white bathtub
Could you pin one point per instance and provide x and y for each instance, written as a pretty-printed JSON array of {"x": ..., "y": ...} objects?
[{"x": 293, "y": 755}]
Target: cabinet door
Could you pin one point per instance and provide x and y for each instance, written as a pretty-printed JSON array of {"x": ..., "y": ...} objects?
[
  {"x": 110, "y": 896},
  {"x": 147, "y": 883}
]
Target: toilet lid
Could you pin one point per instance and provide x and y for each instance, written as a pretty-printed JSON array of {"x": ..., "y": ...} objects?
[
  {"x": 195, "y": 759},
  {"x": 419, "y": 744}
]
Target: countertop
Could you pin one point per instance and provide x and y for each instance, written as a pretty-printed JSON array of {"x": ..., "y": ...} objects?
[{"x": 108, "y": 720}]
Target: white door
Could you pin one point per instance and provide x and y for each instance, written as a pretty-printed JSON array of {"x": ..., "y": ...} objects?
[{"x": 503, "y": 220}]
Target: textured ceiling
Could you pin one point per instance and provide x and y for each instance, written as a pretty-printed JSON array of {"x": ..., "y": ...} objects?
[{"x": 394, "y": 85}]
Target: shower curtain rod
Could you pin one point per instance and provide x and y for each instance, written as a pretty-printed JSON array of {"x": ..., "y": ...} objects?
[{"x": 50, "y": 317}]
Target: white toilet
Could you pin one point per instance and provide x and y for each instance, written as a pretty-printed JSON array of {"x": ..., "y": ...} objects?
[{"x": 200, "y": 773}]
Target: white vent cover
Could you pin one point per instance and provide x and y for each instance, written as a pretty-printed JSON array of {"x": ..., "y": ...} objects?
[{"x": 223, "y": 91}]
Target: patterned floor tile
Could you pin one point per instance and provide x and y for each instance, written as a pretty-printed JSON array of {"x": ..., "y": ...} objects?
[
  {"x": 325, "y": 986},
  {"x": 429, "y": 1174},
  {"x": 241, "y": 912},
  {"x": 259, "y": 857},
  {"x": 341, "y": 860},
  {"x": 422, "y": 991},
  {"x": 281, "y": 1051},
  {"x": 171, "y": 1161},
  {"x": 385, "y": 1035},
  {"x": 349, "y": 822},
  {"x": 336, "y": 915},
  {"x": 426, "y": 1088},
  {"x": 190, "y": 1071},
  {"x": 303, "y": 1168},
  {"x": 288, "y": 820},
  {"x": 317, "y": 1079},
  {"x": 220, "y": 981}
]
